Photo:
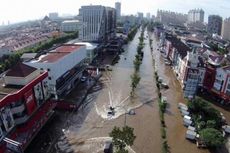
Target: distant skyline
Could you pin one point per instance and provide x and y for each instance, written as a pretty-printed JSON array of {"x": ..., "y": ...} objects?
[{"x": 23, "y": 10}]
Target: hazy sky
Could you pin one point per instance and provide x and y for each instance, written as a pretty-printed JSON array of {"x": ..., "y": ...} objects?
[{"x": 21, "y": 10}]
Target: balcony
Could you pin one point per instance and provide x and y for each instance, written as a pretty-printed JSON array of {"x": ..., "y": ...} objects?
[{"x": 18, "y": 109}]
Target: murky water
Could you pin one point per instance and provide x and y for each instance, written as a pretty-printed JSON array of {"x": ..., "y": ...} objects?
[
  {"x": 92, "y": 122},
  {"x": 175, "y": 129},
  {"x": 89, "y": 128}
]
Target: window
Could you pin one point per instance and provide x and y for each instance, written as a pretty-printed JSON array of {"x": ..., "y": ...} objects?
[{"x": 49, "y": 78}]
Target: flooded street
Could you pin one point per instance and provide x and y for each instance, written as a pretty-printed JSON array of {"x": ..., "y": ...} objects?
[
  {"x": 92, "y": 124},
  {"x": 175, "y": 129},
  {"x": 86, "y": 130}
]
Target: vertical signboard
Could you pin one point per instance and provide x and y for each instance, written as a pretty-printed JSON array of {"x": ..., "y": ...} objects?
[
  {"x": 45, "y": 89},
  {"x": 1, "y": 133},
  {"x": 30, "y": 102},
  {"x": 7, "y": 118},
  {"x": 38, "y": 93}
]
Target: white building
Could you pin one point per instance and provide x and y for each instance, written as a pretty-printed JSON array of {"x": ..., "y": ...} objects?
[
  {"x": 91, "y": 51},
  {"x": 118, "y": 9},
  {"x": 196, "y": 15},
  {"x": 225, "y": 33},
  {"x": 65, "y": 65},
  {"x": 70, "y": 25}
]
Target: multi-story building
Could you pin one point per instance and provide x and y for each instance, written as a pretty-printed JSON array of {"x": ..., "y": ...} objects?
[
  {"x": 95, "y": 25},
  {"x": 110, "y": 23},
  {"x": 214, "y": 24},
  {"x": 65, "y": 65},
  {"x": 167, "y": 17},
  {"x": 196, "y": 15},
  {"x": 148, "y": 16},
  {"x": 53, "y": 15},
  {"x": 25, "y": 106},
  {"x": 118, "y": 9},
  {"x": 185, "y": 63},
  {"x": 225, "y": 33},
  {"x": 70, "y": 25}
]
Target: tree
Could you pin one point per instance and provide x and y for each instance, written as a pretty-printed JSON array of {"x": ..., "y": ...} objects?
[
  {"x": 135, "y": 80},
  {"x": 212, "y": 137},
  {"x": 122, "y": 137},
  {"x": 211, "y": 124}
]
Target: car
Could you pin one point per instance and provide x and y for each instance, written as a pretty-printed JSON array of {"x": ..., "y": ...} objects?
[
  {"x": 108, "y": 148},
  {"x": 83, "y": 79},
  {"x": 164, "y": 85}
]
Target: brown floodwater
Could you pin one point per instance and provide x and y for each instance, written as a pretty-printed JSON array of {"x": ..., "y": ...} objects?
[
  {"x": 175, "y": 129},
  {"x": 89, "y": 127}
]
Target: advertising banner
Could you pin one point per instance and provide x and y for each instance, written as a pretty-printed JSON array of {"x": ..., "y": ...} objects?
[
  {"x": 7, "y": 118},
  {"x": 38, "y": 93},
  {"x": 45, "y": 89},
  {"x": 1, "y": 134},
  {"x": 30, "y": 102}
]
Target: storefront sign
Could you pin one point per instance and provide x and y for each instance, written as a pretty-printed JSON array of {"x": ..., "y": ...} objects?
[{"x": 30, "y": 103}]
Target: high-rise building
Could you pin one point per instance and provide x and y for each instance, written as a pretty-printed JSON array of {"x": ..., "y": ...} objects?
[
  {"x": 225, "y": 33},
  {"x": 148, "y": 16},
  {"x": 110, "y": 22},
  {"x": 53, "y": 15},
  {"x": 196, "y": 15},
  {"x": 97, "y": 23},
  {"x": 214, "y": 24},
  {"x": 167, "y": 17},
  {"x": 118, "y": 9}
]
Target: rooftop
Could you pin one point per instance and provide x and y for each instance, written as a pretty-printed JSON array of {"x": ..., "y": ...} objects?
[
  {"x": 20, "y": 70},
  {"x": 57, "y": 54},
  {"x": 70, "y": 21},
  {"x": 180, "y": 46}
]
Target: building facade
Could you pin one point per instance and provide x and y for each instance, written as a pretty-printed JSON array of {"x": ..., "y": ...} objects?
[
  {"x": 53, "y": 15},
  {"x": 214, "y": 24},
  {"x": 70, "y": 26},
  {"x": 225, "y": 33},
  {"x": 196, "y": 15},
  {"x": 25, "y": 106},
  {"x": 118, "y": 9},
  {"x": 65, "y": 65},
  {"x": 168, "y": 17},
  {"x": 97, "y": 22}
]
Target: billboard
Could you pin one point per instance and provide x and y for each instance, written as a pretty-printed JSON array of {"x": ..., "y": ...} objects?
[
  {"x": 1, "y": 134},
  {"x": 38, "y": 93},
  {"x": 30, "y": 102},
  {"x": 45, "y": 89},
  {"x": 7, "y": 118}
]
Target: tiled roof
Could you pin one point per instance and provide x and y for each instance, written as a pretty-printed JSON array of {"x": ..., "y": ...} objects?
[
  {"x": 20, "y": 70},
  {"x": 180, "y": 46}
]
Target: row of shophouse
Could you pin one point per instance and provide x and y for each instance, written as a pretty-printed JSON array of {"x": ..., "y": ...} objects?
[{"x": 197, "y": 68}]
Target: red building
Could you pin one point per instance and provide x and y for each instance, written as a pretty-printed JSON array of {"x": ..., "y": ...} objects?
[{"x": 25, "y": 106}]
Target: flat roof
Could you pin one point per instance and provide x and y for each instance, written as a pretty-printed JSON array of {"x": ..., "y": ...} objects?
[
  {"x": 5, "y": 90},
  {"x": 57, "y": 54},
  {"x": 70, "y": 21}
]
